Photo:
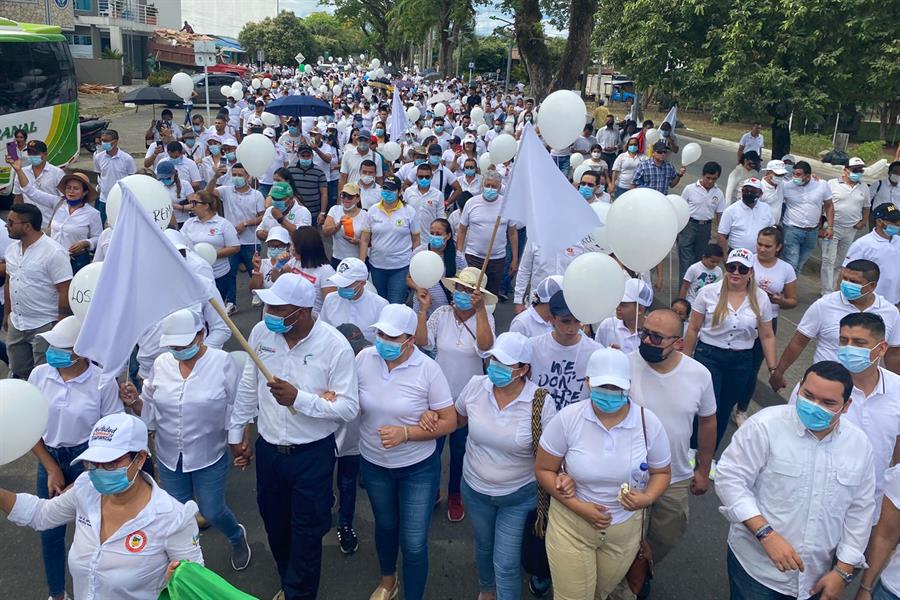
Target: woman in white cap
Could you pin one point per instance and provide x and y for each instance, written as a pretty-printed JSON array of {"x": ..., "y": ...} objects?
[
  {"x": 726, "y": 318},
  {"x": 617, "y": 453},
  {"x": 352, "y": 303},
  {"x": 209, "y": 226},
  {"x": 535, "y": 320},
  {"x": 440, "y": 241},
  {"x": 344, "y": 224},
  {"x": 187, "y": 400},
  {"x": 128, "y": 531},
  {"x": 76, "y": 399},
  {"x": 400, "y": 465},
  {"x": 498, "y": 484},
  {"x": 460, "y": 334},
  {"x": 278, "y": 246}
]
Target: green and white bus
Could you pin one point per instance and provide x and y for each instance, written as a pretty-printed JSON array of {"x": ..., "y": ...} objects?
[{"x": 38, "y": 92}]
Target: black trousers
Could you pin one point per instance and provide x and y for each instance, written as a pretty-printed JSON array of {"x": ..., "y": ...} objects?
[{"x": 293, "y": 491}]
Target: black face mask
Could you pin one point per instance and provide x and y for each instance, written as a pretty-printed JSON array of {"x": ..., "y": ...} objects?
[
  {"x": 749, "y": 199},
  {"x": 653, "y": 354}
]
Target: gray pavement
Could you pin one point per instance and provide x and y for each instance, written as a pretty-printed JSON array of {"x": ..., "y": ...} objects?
[{"x": 694, "y": 570}]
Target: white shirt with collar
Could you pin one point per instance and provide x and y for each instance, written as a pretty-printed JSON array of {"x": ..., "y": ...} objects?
[
  {"x": 321, "y": 362},
  {"x": 883, "y": 191},
  {"x": 479, "y": 216},
  {"x": 362, "y": 312},
  {"x": 112, "y": 168},
  {"x": 739, "y": 328},
  {"x": 217, "y": 231},
  {"x": 817, "y": 494},
  {"x": 370, "y": 196},
  {"x": 75, "y": 405},
  {"x": 530, "y": 324},
  {"x": 600, "y": 460},
  {"x": 190, "y": 414},
  {"x": 457, "y": 351},
  {"x": 498, "y": 459},
  {"x": 849, "y": 201},
  {"x": 613, "y": 332},
  {"x": 886, "y": 254},
  {"x": 32, "y": 278},
  {"x": 397, "y": 397},
  {"x": 822, "y": 319},
  {"x": 773, "y": 197},
  {"x": 240, "y": 207},
  {"x": 741, "y": 224},
  {"x": 752, "y": 143},
  {"x": 704, "y": 203},
  {"x": 46, "y": 182},
  {"x": 131, "y": 564},
  {"x": 440, "y": 178},
  {"x": 428, "y": 206},
  {"x": 804, "y": 202},
  {"x": 83, "y": 225}
]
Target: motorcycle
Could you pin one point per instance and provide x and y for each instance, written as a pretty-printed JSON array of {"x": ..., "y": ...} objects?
[{"x": 90, "y": 131}]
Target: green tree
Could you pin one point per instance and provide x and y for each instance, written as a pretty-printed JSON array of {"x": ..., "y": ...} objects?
[
  {"x": 334, "y": 36},
  {"x": 371, "y": 17},
  {"x": 280, "y": 37}
]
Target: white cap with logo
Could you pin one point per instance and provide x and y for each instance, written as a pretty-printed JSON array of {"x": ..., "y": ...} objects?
[
  {"x": 608, "y": 366},
  {"x": 776, "y": 166},
  {"x": 742, "y": 256},
  {"x": 636, "y": 290},
  {"x": 856, "y": 162},
  {"x": 291, "y": 289},
  {"x": 278, "y": 234},
  {"x": 396, "y": 319},
  {"x": 113, "y": 437},
  {"x": 349, "y": 271}
]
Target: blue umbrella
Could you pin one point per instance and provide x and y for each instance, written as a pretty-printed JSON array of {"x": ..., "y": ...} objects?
[{"x": 299, "y": 106}]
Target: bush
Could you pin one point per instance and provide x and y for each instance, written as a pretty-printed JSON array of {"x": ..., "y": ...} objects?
[
  {"x": 810, "y": 145},
  {"x": 869, "y": 151},
  {"x": 161, "y": 77},
  {"x": 109, "y": 53}
]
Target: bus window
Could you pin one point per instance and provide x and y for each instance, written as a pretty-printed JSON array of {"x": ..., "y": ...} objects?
[
  {"x": 52, "y": 80},
  {"x": 14, "y": 78}
]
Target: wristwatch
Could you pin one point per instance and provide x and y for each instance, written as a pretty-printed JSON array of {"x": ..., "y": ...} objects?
[{"x": 847, "y": 577}]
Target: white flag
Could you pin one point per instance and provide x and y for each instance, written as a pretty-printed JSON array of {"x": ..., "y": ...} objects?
[
  {"x": 541, "y": 197},
  {"x": 399, "y": 123},
  {"x": 672, "y": 117},
  {"x": 143, "y": 279}
]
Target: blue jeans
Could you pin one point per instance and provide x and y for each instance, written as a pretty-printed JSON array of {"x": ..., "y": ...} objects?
[
  {"x": 562, "y": 163},
  {"x": 222, "y": 283},
  {"x": 332, "y": 195},
  {"x": 498, "y": 523},
  {"x": 881, "y": 593},
  {"x": 53, "y": 541},
  {"x": 744, "y": 587},
  {"x": 508, "y": 283},
  {"x": 208, "y": 485},
  {"x": 620, "y": 191},
  {"x": 390, "y": 283},
  {"x": 245, "y": 256},
  {"x": 457, "y": 452},
  {"x": 80, "y": 261},
  {"x": 100, "y": 205},
  {"x": 731, "y": 371},
  {"x": 347, "y": 474},
  {"x": 798, "y": 245},
  {"x": 402, "y": 502}
]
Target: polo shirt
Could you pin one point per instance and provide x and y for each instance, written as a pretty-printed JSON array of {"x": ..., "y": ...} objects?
[
  {"x": 112, "y": 168},
  {"x": 390, "y": 241},
  {"x": 352, "y": 160},
  {"x": 804, "y": 202},
  {"x": 739, "y": 328},
  {"x": 429, "y": 205},
  {"x": 704, "y": 203},
  {"x": 849, "y": 201},
  {"x": 32, "y": 278},
  {"x": 216, "y": 231},
  {"x": 821, "y": 322},
  {"x": 886, "y": 254},
  {"x": 741, "y": 224}
]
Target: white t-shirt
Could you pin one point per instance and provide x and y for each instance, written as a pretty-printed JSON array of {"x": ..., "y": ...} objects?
[
  {"x": 752, "y": 143},
  {"x": 821, "y": 322},
  {"x": 391, "y": 242},
  {"x": 676, "y": 398},
  {"x": 240, "y": 207},
  {"x": 457, "y": 353},
  {"x": 479, "y": 216},
  {"x": 804, "y": 202},
  {"x": 773, "y": 279},
  {"x": 698, "y": 276},
  {"x": 530, "y": 324},
  {"x": 849, "y": 202},
  {"x": 216, "y": 231},
  {"x": 612, "y": 332},
  {"x": 341, "y": 248},
  {"x": 738, "y": 330},
  {"x": 369, "y": 197},
  {"x": 890, "y": 575},
  {"x": 626, "y": 165},
  {"x": 429, "y": 206},
  {"x": 352, "y": 160},
  {"x": 561, "y": 369},
  {"x": 318, "y": 276},
  {"x": 741, "y": 224},
  {"x": 297, "y": 216},
  {"x": 362, "y": 312},
  {"x": 498, "y": 459},
  {"x": 397, "y": 397},
  {"x": 600, "y": 460}
]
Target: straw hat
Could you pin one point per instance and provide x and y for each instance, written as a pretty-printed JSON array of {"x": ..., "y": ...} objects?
[
  {"x": 82, "y": 179},
  {"x": 468, "y": 277}
]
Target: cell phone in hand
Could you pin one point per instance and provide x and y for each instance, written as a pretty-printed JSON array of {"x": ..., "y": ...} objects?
[{"x": 12, "y": 150}]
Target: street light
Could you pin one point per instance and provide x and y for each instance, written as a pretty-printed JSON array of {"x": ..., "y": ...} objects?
[{"x": 509, "y": 26}]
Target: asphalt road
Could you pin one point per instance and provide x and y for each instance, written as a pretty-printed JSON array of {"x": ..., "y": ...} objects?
[{"x": 694, "y": 570}]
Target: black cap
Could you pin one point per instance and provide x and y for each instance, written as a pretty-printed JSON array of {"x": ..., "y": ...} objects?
[
  {"x": 887, "y": 212},
  {"x": 558, "y": 306},
  {"x": 36, "y": 146},
  {"x": 751, "y": 155},
  {"x": 303, "y": 149},
  {"x": 660, "y": 147},
  {"x": 355, "y": 336},
  {"x": 435, "y": 149},
  {"x": 391, "y": 184}
]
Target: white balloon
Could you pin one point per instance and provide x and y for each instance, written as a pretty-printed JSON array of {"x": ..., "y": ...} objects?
[
  {"x": 651, "y": 137},
  {"x": 576, "y": 160},
  {"x": 269, "y": 119},
  {"x": 81, "y": 289},
  {"x": 379, "y": 73},
  {"x": 226, "y": 90},
  {"x": 682, "y": 210},
  {"x": 503, "y": 148},
  {"x": 426, "y": 269},
  {"x": 367, "y": 92},
  {"x": 482, "y": 130},
  {"x": 23, "y": 418},
  {"x": 642, "y": 228},
  {"x": 440, "y": 109},
  {"x": 484, "y": 162},
  {"x": 206, "y": 251},
  {"x": 237, "y": 94},
  {"x": 598, "y": 240},
  {"x": 237, "y": 85},
  {"x": 255, "y": 83},
  {"x": 323, "y": 89},
  {"x": 151, "y": 194},
  {"x": 375, "y": 63},
  {"x": 182, "y": 85},
  {"x": 267, "y": 83},
  {"x": 316, "y": 82},
  {"x": 239, "y": 358},
  {"x": 477, "y": 115},
  {"x": 256, "y": 153},
  {"x": 391, "y": 151},
  {"x": 690, "y": 153},
  {"x": 579, "y": 171},
  {"x": 562, "y": 118},
  {"x": 413, "y": 114},
  {"x": 337, "y": 89},
  {"x": 593, "y": 285},
  {"x": 347, "y": 81},
  {"x": 425, "y": 132}
]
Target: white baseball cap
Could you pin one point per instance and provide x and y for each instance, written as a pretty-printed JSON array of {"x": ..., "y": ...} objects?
[
  {"x": 64, "y": 333},
  {"x": 856, "y": 162},
  {"x": 545, "y": 289},
  {"x": 776, "y": 166},
  {"x": 396, "y": 319},
  {"x": 113, "y": 437},
  {"x": 291, "y": 289},
  {"x": 177, "y": 238},
  {"x": 269, "y": 132},
  {"x": 511, "y": 348},
  {"x": 180, "y": 328},
  {"x": 349, "y": 271},
  {"x": 278, "y": 234},
  {"x": 742, "y": 256},
  {"x": 752, "y": 182},
  {"x": 636, "y": 290},
  {"x": 229, "y": 141},
  {"x": 608, "y": 366}
]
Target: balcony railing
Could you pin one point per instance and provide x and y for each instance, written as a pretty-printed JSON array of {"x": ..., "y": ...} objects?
[{"x": 128, "y": 10}]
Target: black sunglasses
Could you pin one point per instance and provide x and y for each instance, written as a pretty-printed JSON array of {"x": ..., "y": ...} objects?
[
  {"x": 655, "y": 338},
  {"x": 742, "y": 269}
]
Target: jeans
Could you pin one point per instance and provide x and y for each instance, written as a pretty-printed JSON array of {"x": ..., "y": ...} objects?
[
  {"x": 293, "y": 491},
  {"x": 457, "y": 452},
  {"x": 245, "y": 256},
  {"x": 498, "y": 523},
  {"x": 508, "y": 281},
  {"x": 730, "y": 370},
  {"x": 347, "y": 474},
  {"x": 744, "y": 587},
  {"x": 80, "y": 261},
  {"x": 834, "y": 251},
  {"x": 798, "y": 245},
  {"x": 222, "y": 283},
  {"x": 620, "y": 190},
  {"x": 562, "y": 163},
  {"x": 692, "y": 243},
  {"x": 402, "y": 502},
  {"x": 265, "y": 188},
  {"x": 390, "y": 283},
  {"x": 758, "y": 357},
  {"x": 100, "y": 205},
  {"x": 882, "y": 593},
  {"x": 208, "y": 486},
  {"x": 53, "y": 541}
]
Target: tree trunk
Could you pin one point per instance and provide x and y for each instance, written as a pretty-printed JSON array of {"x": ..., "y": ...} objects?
[
  {"x": 781, "y": 133},
  {"x": 575, "y": 54}
]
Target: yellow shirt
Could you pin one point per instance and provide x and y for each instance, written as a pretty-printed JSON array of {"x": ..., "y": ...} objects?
[{"x": 600, "y": 114}]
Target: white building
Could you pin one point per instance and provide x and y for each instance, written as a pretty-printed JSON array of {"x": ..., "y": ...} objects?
[{"x": 225, "y": 17}]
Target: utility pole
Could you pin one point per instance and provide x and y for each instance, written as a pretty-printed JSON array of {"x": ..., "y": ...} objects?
[{"x": 508, "y": 64}]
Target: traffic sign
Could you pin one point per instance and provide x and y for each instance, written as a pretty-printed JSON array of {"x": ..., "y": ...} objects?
[
  {"x": 300, "y": 58},
  {"x": 471, "y": 65}
]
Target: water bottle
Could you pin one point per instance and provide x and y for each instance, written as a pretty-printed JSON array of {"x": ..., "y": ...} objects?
[{"x": 640, "y": 477}]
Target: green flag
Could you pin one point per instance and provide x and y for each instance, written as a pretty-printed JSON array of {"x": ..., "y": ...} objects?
[{"x": 191, "y": 581}]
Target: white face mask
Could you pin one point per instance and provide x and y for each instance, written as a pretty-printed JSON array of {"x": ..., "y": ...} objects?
[{"x": 894, "y": 179}]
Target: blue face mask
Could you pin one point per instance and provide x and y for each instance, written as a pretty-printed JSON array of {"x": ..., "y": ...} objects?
[
  {"x": 292, "y": 130},
  {"x": 892, "y": 230},
  {"x": 436, "y": 241},
  {"x": 230, "y": 156},
  {"x": 851, "y": 291},
  {"x": 197, "y": 128},
  {"x": 388, "y": 196},
  {"x": 462, "y": 300},
  {"x": 813, "y": 416},
  {"x": 238, "y": 181},
  {"x": 855, "y": 177},
  {"x": 106, "y": 146},
  {"x": 434, "y": 160},
  {"x": 305, "y": 162},
  {"x": 112, "y": 482},
  {"x": 346, "y": 293},
  {"x": 388, "y": 350},
  {"x": 274, "y": 252},
  {"x": 798, "y": 181},
  {"x": 608, "y": 401},
  {"x": 279, "y": 204},
  {"x": 35, "y": 160},
  {"x": 379, "y": 132},
  {"x": 59, "y": 358},
  {"x": 469, "y": 172},
  {"x": 439, "y": 129},
  {"x": 276, "y": 324},
  {"x": 214, "y": 150},
  {"x": 633, "y": 148},
  {"x": 167, "y": 181},
  {"x": 856, "y": 360},
  {"x": 186, "y": 353},
  {"x": 175, "y": 161},
  {"x": 490, "y": 194},
  {"x": 586, "y": 191},
  {"x": 499, "y": 374},
  {"x": 419, "y": 161},
  {"x": 424, "y": 182}
]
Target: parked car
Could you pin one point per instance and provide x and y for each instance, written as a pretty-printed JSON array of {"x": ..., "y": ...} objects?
[{"x": 216, "y": 81}]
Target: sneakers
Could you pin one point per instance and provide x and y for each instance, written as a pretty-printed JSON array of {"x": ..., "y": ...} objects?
[
  {"x": 240, "y": 553},
  {"x": 456, "y": 512},
  {"x": 66, "y": 596},
  {"x": 740, "y": 416},
  {"x": 279, "y": 595},
  {"x": 347, "y": 539},
  {"x": 381, "y": 593},
  {"x": 230, "y": 308},
  {"x": 255, "y": 301},
  {"x": 538, "y": 586}
]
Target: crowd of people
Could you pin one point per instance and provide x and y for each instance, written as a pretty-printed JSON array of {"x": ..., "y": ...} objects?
[{"x": 577, "y": 444}]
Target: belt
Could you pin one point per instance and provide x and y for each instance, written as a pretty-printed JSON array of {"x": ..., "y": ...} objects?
[
  {"x": 699, "y": 222},
  {"x": 805, "y": 228},
  {"x": 289, "y": 449}
]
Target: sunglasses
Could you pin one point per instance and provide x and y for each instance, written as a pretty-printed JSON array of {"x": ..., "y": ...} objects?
[
  {"x": 742, "y": 269},
  {"x": 655, "y": 338},
  {"x": 346, "y": 196}
]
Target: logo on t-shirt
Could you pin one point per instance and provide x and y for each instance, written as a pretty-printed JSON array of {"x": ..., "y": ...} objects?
[{"x": 135, "y": 542}]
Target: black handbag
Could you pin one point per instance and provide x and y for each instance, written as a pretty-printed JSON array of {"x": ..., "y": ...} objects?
[{"x": 534, "y": 548}]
